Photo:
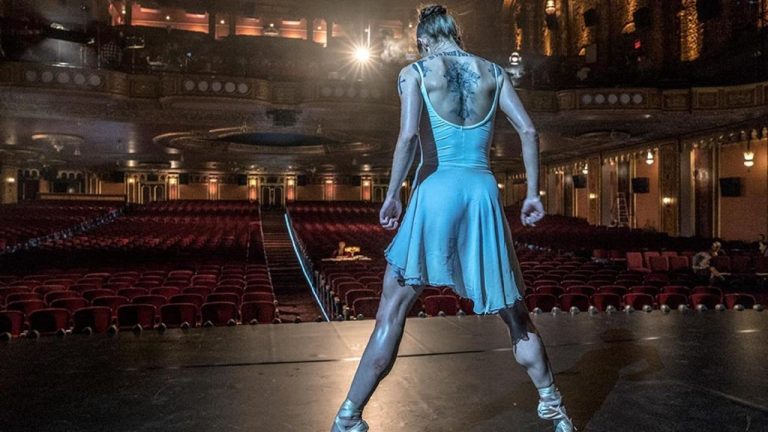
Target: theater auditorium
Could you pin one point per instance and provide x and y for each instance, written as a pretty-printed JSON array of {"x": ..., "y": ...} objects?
[{"x": 192, "y": 191}]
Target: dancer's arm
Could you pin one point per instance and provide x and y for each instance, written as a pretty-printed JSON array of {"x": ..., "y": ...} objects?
[
  {"x": 405, "y": 149},
  {"x": 408, "y": 139},
  {"x": 512, "y": 106}
]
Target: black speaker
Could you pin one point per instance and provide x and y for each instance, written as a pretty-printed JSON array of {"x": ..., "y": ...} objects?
[
  {"x": 49, "y": 174},
  {"x": 302, "y": 180},
  {"x": 579, "y": 181},
  {"x": 183, "y": 178},
  {"x": 590, "y": 17},
  {"x": 242, "y": 179},
  {"x": 642, "y": 17},
  {"x": 730, "y": 186},
  {"x": 551, "y": 21},
  {"x": 117, "y": 177},
  {"x": 641, "y": 185},
  {"x": 357, "y": 180},
  {"x": 708, "y": 9}
]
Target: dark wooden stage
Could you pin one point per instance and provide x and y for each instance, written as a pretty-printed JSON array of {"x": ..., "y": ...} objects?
[{"x": 637, "y": 372}]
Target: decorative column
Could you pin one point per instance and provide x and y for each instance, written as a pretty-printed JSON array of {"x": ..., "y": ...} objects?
[
  {"x": 704, "y": 175},
  {"x": 173, "y": 187},
  {"x": 310, "y": 29},
  {"x": 253, "y": 188},
  {"x": 593, "y": 185},
  {"x": 290, "y": 189},
  {"x": 213, "y": 188},
  {"x": 128, "y": 13},
  {"x": 669, "y": 183},
  {"x": 9, "y": 176},
  {"x": 366, "y": 189},
  {"x": 232, "y": 24}
]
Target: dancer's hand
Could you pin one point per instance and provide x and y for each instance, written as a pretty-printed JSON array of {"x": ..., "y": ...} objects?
[
  {"x": 390, "y": 213},
  {"x": 532, "y": 211}
]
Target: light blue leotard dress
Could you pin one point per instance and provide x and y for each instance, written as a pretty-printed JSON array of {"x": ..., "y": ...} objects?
[{"x": 454, "y": 231}]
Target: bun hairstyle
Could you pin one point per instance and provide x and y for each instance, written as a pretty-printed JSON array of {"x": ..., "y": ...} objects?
[{"x": 436, "y": 24}]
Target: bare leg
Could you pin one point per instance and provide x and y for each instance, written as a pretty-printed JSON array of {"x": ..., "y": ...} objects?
[
  {"x": 380, "y": 353},
  {"x": 532, "y": 356}
]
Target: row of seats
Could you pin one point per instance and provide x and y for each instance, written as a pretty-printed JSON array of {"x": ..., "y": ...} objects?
[
  {"x": 637, "y": 300},
  {"x": 99, "y": 319}
]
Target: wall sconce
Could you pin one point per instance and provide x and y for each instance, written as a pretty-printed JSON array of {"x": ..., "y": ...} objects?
[
  {"x": 500, "y": 185},
  {"x": 550, "y": 7},
  {"x": 667, "y": 201},
  {"x": 213, "y": 180},
  {"x": 252, "y": 182},
  {"x": 585, "y": 169},
  {"x": 173, "y": 180},
  {"x": 649, "y": 157},
  {"x": 291, "y": 182},
  {"x": 131, "y": 180},
  {"x": 10, "y": 180},
  {"x": 328, "y": 181},
  {"x": 405, "y": 184},
  {"x": 366, "y": 183},
  {"x": 749, "y": 158},
  {"x": 593, "y": 196},
  {"x": 542, "y": 193}
]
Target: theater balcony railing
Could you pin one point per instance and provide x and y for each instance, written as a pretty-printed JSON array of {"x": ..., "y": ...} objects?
[{"x": 379, "y": 92}]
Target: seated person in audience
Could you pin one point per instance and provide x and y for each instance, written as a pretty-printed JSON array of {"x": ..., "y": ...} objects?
[
  {"x": 701, "y": 263},
  {"x": 339, "y": 252},
  {"x": 762, "y": 246}
]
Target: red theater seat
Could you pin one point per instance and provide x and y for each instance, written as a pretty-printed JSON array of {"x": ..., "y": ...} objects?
[
  {"x": 97, "y": 318},
  {"x": 26, "y": 306},
  {"x": 602, "y": 301},
  {"x": 708, "y": 300},
  {"x": 567, "y": 301},
  {"x": 672, "y": 300},
  {"x": 366, "y": 306},
  {"x": 11, "y": 322},
  {"x": 175, "y": 315},
  {"x": 195, "y": 299},
  {"x": 49, "y": 321},
  {"x": 745, "y": 300},
  {"x": 70, "y": 304},
  {"x": 258, "y": 311},
  {"x": 638, "y": 300},
  {"x": 112, "y": 302},
  {"x": 131, "y": 315},
  {"x": 447, "y": 304},
  {"x": 154, "y": 300},
  {"x": 545, "y": 302},
  {"x": 219, "y": 313}
]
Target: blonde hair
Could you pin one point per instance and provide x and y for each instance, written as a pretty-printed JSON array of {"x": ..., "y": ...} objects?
[{"x": 436, "y": 24}]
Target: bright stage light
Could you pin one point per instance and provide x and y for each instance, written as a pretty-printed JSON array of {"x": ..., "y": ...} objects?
[{"x": 362, "y": 54}]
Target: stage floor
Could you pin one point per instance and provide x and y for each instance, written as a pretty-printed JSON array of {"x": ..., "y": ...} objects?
[{"x": 637, "y": 372}]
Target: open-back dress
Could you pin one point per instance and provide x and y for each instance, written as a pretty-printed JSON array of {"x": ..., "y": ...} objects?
[{"x": 454, "y": 232}]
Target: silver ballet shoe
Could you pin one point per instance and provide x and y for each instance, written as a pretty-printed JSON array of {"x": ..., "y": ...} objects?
[
  {"x": 554, "y": 410},
  {"x": 349, "y": 411}
]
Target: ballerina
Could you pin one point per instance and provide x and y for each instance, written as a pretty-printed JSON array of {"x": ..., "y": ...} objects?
[{"x": 454, "y": 232}]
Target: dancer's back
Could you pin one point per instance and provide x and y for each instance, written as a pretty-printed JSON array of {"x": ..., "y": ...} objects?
[{"x": 460, "y": 93}]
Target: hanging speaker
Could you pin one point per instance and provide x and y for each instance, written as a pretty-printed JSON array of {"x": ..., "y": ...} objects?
[
  {"x": 642, "y": 17},
  {"x": 708, "y": 9},
  {"x": 590, "y": 17}
]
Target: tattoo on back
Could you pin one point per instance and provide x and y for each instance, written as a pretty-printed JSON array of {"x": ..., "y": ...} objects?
[{"x": 462, "y": 82}]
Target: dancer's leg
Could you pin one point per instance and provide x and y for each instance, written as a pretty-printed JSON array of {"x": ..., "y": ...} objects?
[
  {"x": 381, "y": 351},
  {"x": 527, "y": 345},
  {"x": 530, "y": 354}
]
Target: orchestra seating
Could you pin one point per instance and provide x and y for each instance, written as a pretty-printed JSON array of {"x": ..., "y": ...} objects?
[
  {"x": 565, "y": 262},
  {"x": 34, "y": 219},
  {"x": 172, "y": 264}
]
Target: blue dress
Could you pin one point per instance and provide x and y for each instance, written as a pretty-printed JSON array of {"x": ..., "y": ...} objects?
[{"x": 454, "y": 231}]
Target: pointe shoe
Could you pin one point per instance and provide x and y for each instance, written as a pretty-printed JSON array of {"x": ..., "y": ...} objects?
[
  {"x": 555, "y": 410},
  {"x": 349, "y": 411}
]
